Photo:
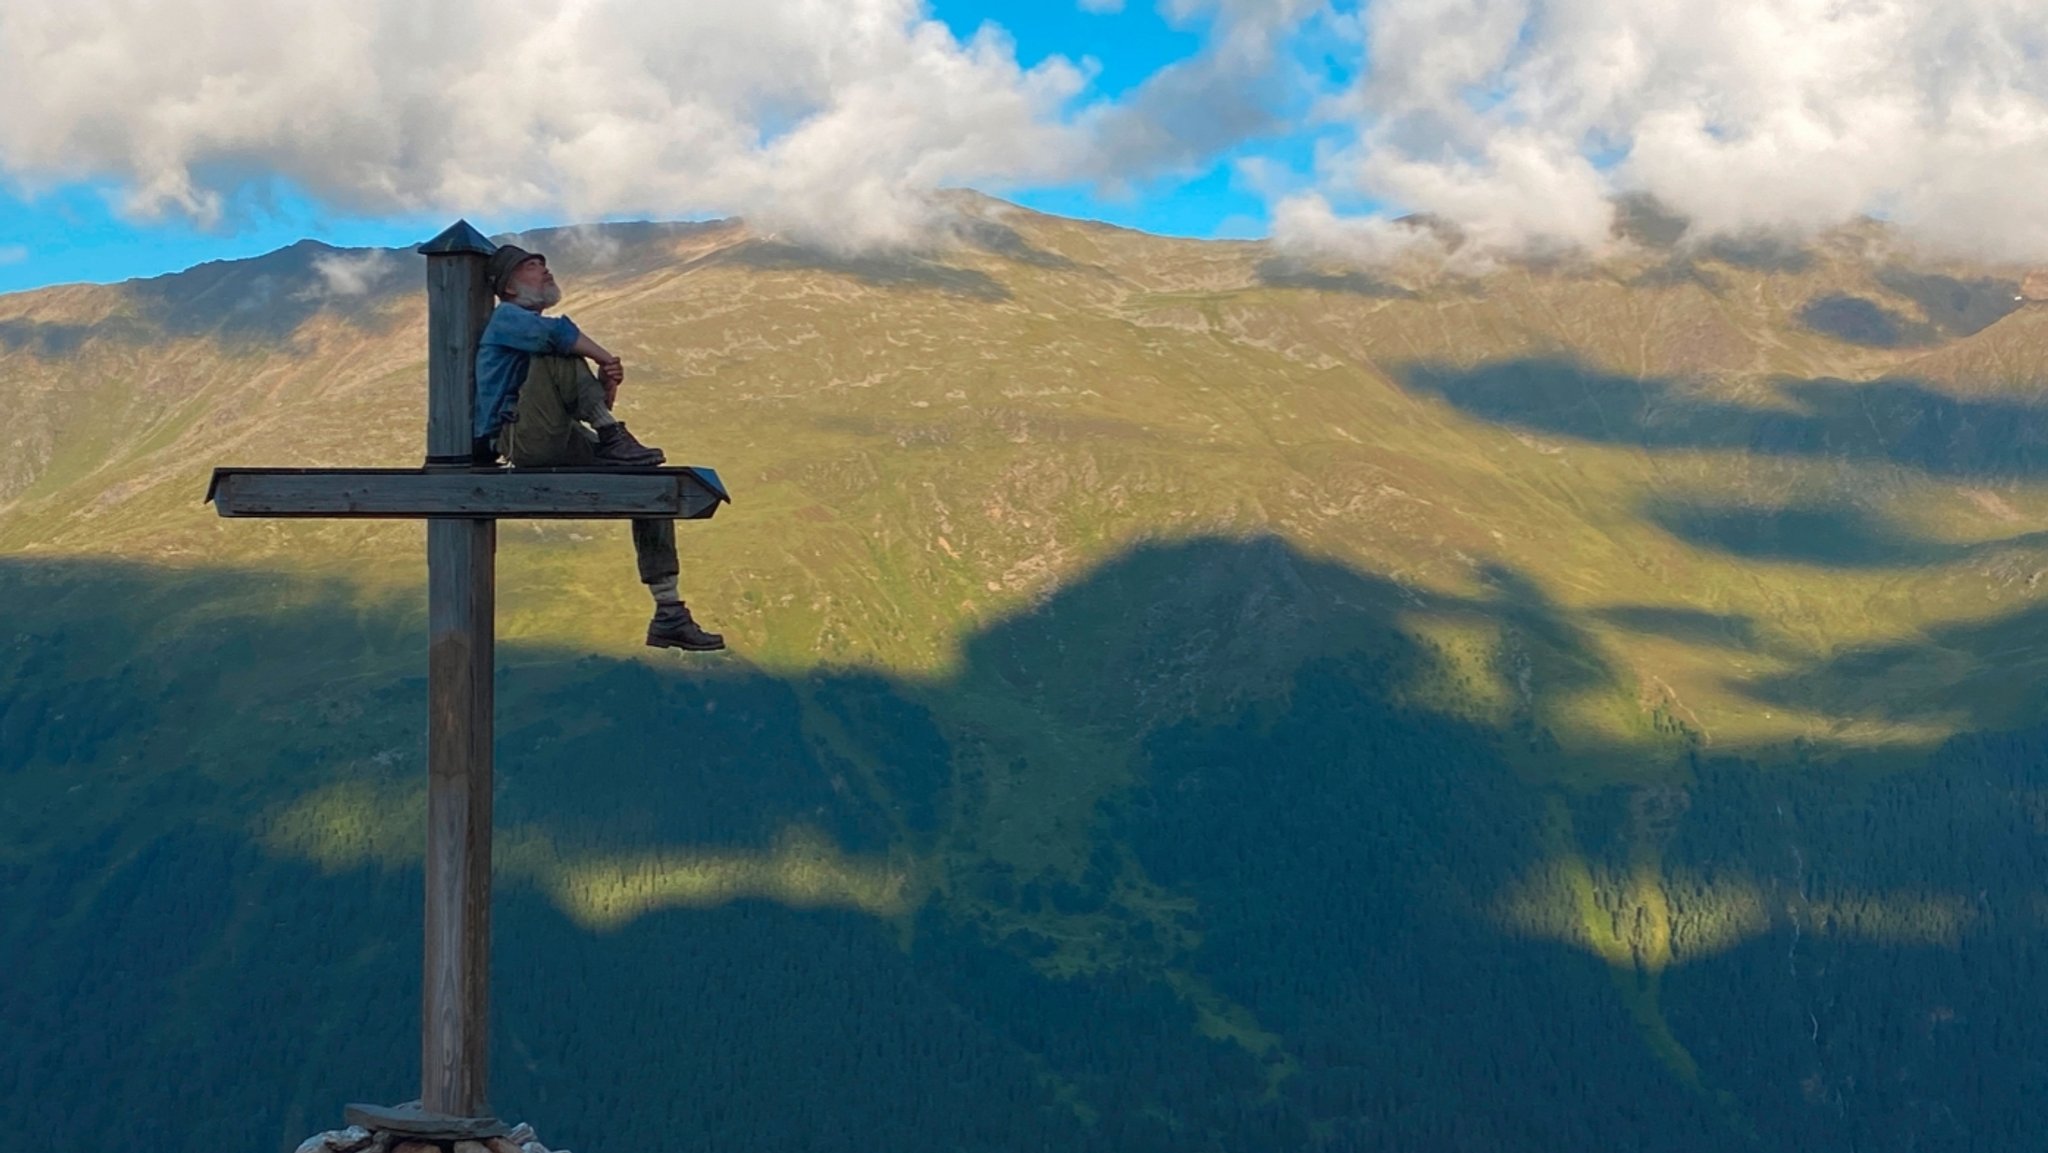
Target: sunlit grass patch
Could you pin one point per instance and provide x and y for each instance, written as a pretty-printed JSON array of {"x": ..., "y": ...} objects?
[{"x": 354, "y": 824}]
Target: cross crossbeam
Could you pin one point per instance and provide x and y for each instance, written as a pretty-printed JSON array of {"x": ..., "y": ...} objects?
[
  {"x": 461, "y": 506},
  {"x": 521, "y": 494}
]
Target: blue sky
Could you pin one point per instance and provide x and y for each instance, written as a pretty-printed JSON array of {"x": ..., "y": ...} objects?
[{"x": 76, "y": 231}]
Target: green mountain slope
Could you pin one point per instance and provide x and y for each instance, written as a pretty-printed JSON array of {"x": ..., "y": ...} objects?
[{"x": 1182, "y": 698}]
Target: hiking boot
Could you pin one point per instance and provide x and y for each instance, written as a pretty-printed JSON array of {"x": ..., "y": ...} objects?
[
  {"x": 616, "y": 446},
  {"x": 674, "y": 628}
]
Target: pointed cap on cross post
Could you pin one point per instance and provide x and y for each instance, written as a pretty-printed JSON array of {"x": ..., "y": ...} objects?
[{"x": 460, "y": 239}]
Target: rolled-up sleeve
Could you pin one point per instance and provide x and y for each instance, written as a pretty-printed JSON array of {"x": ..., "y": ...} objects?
[{"x": 530, "y": 332}]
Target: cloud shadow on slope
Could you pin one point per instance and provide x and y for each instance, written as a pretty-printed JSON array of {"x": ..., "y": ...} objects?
[
  {"x": 1955, "y": 307},
  {"x": 1900, "y": 422},
  {"x": 880, "y": 271},
  {"x": 1284, "y": 272},
  {"x": 1990, "y": 670},
  {"x": 1004, "y": 241},
  {"x": 1858, "y": 320},
  {"x": 1831, "y": 536},
  {"x": 1952, "y": 309},
  {"x": 45, "y": 340},
  {"x": 1759, "y": 253},
  {"x": 1643, "y": 219},
  {"x": 1326, "y": 848}
]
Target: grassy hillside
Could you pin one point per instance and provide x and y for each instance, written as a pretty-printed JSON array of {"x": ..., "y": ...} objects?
[{"x": 1181, "y": 697}]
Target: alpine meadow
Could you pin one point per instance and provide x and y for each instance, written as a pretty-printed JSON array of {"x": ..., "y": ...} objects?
[{"x": 1182, "y": 697}]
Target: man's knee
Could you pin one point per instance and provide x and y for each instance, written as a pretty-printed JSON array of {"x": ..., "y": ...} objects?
[
  {"x": 573, "y": 386},
  {"x": 554, "y": 375}
]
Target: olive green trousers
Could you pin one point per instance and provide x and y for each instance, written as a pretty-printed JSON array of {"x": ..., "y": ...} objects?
[{"x": 560, "y": 397}]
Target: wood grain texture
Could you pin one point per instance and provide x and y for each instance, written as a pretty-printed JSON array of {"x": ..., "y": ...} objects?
[
  {"x": 680, "y": 493},
  {"x": 455, "y": 991},
  {"x": 461, "y": 638},
  {"x": 458, "y": 306}
]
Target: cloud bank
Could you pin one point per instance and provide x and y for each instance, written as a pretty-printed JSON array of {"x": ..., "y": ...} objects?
[
  {"x": 1520, "y": 121},
  {"x": 831, "y": 117},
  {"x": 1516, "y": 123}
]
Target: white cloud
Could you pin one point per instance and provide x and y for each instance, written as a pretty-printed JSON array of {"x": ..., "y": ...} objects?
[
  {"x": 347, "y": 274},
  {"x": 1190, "y": 111},
  {"x": 833, "y": 121},
  {"x": 13, "y": 254},
  {"x": 1519, "y": 120},
  {"x": 828, "y": 118},
  {"x": 1306, "y": 223},
  {"x": 1102, "y": 5}
]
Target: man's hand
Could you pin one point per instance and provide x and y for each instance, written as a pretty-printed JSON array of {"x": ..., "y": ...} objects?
[
  {"x": 612, "y": 371},
  {"x": 609, "y": 369}
]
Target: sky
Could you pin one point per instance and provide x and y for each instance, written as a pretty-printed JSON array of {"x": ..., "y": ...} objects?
[{"x": 157, "y": 134}]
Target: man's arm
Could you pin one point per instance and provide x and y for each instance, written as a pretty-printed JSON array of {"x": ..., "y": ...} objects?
[
  {"x": 551, "y": 336},
  {"x": 530, "y": 332},
  {"x": 525, "y": 331},
  {"x": 609, "y": 368}
]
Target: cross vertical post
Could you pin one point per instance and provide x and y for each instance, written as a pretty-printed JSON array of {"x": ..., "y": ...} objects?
[
  {"x": 461, "y": 506},
  {"x": 461, "y": 604}
]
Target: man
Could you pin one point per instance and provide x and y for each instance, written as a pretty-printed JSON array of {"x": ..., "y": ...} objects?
[{"x": 538, "y": 404}]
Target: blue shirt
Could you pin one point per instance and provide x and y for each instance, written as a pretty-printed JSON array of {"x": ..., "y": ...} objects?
[{"x": 510, "y": 341}]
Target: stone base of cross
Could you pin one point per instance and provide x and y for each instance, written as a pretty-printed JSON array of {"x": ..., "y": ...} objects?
[{"x": 462, "y": 506}]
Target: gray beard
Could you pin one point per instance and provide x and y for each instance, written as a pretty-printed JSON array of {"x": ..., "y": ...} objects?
[{"x": 548, "y": 297}]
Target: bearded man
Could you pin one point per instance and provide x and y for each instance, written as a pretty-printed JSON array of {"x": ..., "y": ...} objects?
[{"x": 539, "y": 405}]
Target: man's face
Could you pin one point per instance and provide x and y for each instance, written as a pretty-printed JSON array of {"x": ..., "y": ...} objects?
[{"x": 531, "y": 285}]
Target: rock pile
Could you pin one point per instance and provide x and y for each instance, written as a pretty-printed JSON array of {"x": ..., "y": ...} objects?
[{"x": 356, "y": 1139}]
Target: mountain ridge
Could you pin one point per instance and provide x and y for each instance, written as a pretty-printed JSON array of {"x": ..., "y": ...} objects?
[{"x": 1697, "y": 340}]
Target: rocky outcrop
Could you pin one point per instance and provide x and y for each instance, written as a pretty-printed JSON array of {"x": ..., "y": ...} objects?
[{"x": 356, "y": 1139}]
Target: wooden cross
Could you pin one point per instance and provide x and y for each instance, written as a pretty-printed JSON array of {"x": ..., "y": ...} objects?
[{"x": 462, "y": 506}]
